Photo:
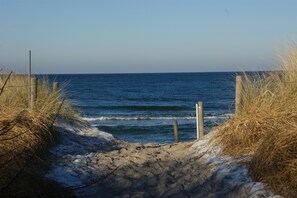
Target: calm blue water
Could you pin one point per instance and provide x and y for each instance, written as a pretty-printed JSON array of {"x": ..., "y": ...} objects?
[{"x": 141, "y": 107}]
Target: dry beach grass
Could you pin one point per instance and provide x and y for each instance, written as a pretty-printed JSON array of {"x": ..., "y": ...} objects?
[
  {"x": 266, "y": 126},
  {"x": 26, "y": 133}
]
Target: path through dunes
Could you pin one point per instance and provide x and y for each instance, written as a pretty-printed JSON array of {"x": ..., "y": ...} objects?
[{"x": 194, "y": 169}]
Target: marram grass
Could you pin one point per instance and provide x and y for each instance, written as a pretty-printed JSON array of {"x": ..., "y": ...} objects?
[
  {"x": 25, "y": 132},
  {"x": 266, "y": 127}
]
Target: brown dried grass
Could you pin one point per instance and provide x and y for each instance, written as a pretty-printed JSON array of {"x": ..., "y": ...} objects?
[
  {"x": 261, "y": 104},
  {"x": 266, "y": 127},
  {"x": 26, "y": 133},
  {"x": 275, "y": 161}
]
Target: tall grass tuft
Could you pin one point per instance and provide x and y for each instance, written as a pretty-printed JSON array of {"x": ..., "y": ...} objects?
[
  {"x": 261, "y": 96},
  {"x": 24, "y": 132},
  {"x": 266, "y": 127}
]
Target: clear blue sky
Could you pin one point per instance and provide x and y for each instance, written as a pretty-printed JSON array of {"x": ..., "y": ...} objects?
[{"x": 107, "y": 36}]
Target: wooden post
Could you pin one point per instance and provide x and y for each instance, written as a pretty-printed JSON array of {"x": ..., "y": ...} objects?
[
  {"x": 175, "y": 127},
  {"x": 55, "y": 87},
  {"x": 197, "y": 121},
  {"x": 200, "y": 120},
  {"x": 33, "y": 92},
  {"x": 29, "y": 81},
  {"x": 238, "y": 94}
]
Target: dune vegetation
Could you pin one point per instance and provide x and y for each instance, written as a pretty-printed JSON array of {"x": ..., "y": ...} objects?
[
  {"x": 26, "y": 133},
  {"x": 266, "y": 126}
]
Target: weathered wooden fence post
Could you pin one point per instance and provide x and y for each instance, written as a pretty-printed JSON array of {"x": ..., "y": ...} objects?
[
  {"x": 33, "y": 92},
  {"x": 199, "y": 120},
  {"x": 29, "y": 80},
  {"x": 238, "y": 94},
  {"x": 175, "y": 128},
  {"x": 55, "y": 87}
]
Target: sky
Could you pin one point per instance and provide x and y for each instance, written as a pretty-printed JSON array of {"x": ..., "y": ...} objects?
[{"x": 136, "y": 36}]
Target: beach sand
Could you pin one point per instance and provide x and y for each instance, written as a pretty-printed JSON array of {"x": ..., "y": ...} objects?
[{"x": 114, "y": 168}]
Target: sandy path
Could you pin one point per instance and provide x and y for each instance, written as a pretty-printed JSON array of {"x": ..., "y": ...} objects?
[
  {"x": 152, "y": 170},
  {"x": 195, "y": 169},
  {"x": 147, "y": 170}
]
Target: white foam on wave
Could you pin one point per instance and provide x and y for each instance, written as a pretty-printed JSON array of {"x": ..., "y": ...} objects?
[
  {"x": 102, "y": 118},
  {"x": 134, "y": 118},
  {"x": 217, "y": 117}
]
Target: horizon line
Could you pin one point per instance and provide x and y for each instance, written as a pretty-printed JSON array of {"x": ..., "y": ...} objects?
[{"x": 119, "y": 73}]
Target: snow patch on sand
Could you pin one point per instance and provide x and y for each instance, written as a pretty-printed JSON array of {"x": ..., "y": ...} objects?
[
  {"x": 75, "y": 153},
  {"x": 228, "y": 172}
]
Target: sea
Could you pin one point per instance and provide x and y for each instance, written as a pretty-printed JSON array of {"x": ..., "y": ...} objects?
[{"x": 142, "y": 107}]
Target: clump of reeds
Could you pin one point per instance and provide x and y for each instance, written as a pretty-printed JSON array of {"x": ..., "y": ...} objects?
[
  {"x": 25, "y": 132},
  {"x": 262, "y": 98},
  {"x": 266, "y": 127},
  {"x": 275, "y": 161}
]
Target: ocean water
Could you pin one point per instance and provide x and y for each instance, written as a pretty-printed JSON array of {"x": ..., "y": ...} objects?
[{"x": 141, "y": 107}]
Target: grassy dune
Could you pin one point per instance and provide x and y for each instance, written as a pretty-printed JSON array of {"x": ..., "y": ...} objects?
[
  {"x": 266, "y": 127},
  {"x": 26, "y": 133}
]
